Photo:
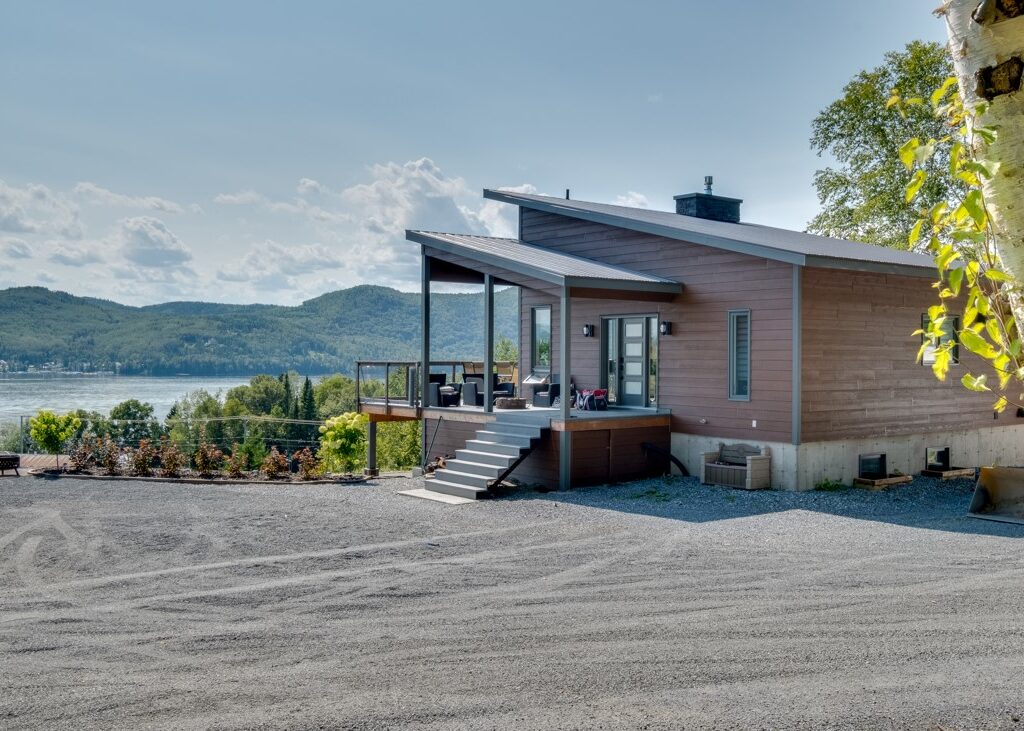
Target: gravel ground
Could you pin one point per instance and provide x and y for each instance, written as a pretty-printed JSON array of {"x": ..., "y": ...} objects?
[{"x": 659, "y": 604}]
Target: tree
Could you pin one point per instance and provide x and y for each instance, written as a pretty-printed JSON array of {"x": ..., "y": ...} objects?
[
  {"x": 505, "y": 349},
  {"x": 138, "y": 422},
  {"x": 50, "y": 431},
  {"x": 978, "y": 240},
  {"x": 863, "y": 197},
  {"x": 334, "y": 395}
]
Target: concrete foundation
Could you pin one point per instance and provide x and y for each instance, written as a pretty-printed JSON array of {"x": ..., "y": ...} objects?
[{"x": 802, "y": 466}]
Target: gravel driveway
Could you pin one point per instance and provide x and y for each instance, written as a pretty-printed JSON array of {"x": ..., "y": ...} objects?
[{"x": 649, "y": 605}]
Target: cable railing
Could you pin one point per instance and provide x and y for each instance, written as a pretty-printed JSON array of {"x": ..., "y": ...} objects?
[{"x": 397, "y": 382}]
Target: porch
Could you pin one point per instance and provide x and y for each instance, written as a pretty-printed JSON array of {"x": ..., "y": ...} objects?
[{"x": 565, "y": 446}]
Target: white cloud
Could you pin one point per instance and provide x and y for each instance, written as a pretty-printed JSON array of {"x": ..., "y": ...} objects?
[
  {"x": 633, "y": 200},
  {"x": 98, "y": 195},
  {"x": 35, "y": 209},
  {"x": 75, "y": 255},
  {"x": 148, "y": 242},
  {"x": 308, "y": 186},
  {"x": 496, "y": 218},
  {"x": 271, "y": 263},
  {"x": 17, "y": 249},
  {"x": 655, "y": 98}
]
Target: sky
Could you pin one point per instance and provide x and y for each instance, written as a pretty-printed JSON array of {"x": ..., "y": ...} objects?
[{"x": 271, "y": 152}]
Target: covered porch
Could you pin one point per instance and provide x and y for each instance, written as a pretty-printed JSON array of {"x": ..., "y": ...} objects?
[{"x": 576, "y": 447}]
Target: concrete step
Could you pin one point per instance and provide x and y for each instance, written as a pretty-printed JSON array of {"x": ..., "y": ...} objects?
[
  {"x": 518, "y": 440},
  {"x": 489, "y": 471},
  {"x": 454, "y": 488},
  {"x": 511, "y": 427},
  {"x": 488, "y": 458},
  {"x": 472, "y": 479},
  {"x": 479, "y": 445}
]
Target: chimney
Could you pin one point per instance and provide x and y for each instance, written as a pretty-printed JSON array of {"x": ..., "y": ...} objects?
[{"x": 708, "y": 205}]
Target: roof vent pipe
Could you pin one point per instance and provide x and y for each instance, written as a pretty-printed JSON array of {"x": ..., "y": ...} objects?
[{"x": 708, "y": 180}]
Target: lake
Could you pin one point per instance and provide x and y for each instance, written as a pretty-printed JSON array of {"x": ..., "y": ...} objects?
[{"x": 24, "y": 395}]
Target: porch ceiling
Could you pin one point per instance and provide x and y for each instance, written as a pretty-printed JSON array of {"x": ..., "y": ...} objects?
[{"x": 565, "y": 270}]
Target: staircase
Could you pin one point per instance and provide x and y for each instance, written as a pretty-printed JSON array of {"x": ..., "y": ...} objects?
[{"x": 490, "y": 458}]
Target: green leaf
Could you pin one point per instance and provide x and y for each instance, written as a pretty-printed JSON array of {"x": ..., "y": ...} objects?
[
  {"x": 956, "y": 278},
  {"x": 915, "y": 185},
  {"x": 915, "y": 232},
  {"x": 908, "y": 150},
  {"x": 975, "y": 383},
  {"x": 997, "y": 276},
  {"x": 974, "y": 202},
  {"x": 977, "y": 345},
  {"x": 939, "y": 94}
]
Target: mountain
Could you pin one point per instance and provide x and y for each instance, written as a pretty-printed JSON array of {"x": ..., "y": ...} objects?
[{"x": 322, "y": 335}]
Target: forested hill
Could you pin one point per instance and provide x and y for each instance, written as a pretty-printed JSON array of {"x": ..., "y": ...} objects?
[{"x": 326, "y": 334}]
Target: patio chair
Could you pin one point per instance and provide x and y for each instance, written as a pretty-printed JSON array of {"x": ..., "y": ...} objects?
[
  {"x": 546, "y": 398},
  {"x": 442, "y": 393},
  {"x": 473, "y": 390}
]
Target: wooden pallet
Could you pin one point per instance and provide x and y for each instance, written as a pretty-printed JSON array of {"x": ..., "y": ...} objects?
[
  {"x": 882, "y": 483},
  {"x": 953, "y": 473}
]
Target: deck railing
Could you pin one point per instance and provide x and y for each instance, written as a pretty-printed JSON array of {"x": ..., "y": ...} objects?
[{"x": 397, "y": 381}]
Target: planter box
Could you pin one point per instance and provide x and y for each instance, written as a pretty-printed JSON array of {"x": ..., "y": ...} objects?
[{"x": 882, "y": 483}]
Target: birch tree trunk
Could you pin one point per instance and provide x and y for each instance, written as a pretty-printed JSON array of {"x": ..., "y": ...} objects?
[{"x": 986, "y": 40}]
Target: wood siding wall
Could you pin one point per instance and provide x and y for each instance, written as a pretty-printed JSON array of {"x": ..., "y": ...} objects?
[
  {"x": 860, "y": 378},
  {"x": 693, "y": 380}
]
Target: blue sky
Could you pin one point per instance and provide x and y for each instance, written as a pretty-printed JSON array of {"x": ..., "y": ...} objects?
[{"x": 258, "y": 152}]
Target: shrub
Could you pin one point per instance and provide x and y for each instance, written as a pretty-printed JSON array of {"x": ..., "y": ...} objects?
[
  {"x": 342, "y": 442},
  {"x": 237, "y": 462},
  {"x": 309, "y": 467},
  {"x": 207, "y": 458},
  {"x": 829, "y": 485},
  {"x": 109, "y": 456},
  {"x": 83, "y": 455},
  {"x": 140, "y": 460},
  {"x": 172, "y": 459},
  {"x": 51, "y": 431},
  {"x": 274, "y": 465}
]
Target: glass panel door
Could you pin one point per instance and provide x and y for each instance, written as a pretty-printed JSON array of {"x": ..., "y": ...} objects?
[{"x": 634, "y": 372}]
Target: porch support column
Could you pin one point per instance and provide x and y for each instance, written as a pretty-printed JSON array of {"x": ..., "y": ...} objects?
[
  {"x": 371, "y": 450},
  {"x": 425, "y": 329},
  {"x": 565, "y": 381},
  {"x": 488, "y": 343}
]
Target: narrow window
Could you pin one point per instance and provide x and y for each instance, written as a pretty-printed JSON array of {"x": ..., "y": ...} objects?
[
  {"x": 540, "y": 340},
  {"x": 739, "y": 355},
  {"x": 950, "y": 328}
]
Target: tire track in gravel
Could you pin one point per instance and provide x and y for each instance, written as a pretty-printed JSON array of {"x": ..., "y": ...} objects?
[{"x": 103, "y": 581}]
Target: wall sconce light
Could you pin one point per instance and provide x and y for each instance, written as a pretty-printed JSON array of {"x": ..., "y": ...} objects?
[
  {"x": 588, "y": 331},
  {"x": 665, "y": 328}
]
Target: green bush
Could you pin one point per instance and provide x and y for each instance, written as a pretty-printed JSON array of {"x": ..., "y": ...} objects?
[{"x": 343, "y": 442}]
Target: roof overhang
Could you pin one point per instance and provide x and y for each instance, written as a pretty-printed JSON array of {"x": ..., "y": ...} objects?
[
  {"x": 716, "y": 242},
  {"x": 634, "y": 282}
]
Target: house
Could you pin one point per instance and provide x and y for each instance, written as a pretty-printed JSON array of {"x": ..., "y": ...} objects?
[{"x": 705, "y": 330}]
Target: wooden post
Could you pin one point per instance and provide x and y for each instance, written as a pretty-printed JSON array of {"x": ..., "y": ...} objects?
[
  {"x": 488, "y": 343},
  {"x": 425, "y": 328},
  {"x": 565, "y": 388}
]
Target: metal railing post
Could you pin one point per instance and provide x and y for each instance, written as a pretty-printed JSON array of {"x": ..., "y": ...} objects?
[
  {"x": 359, "y": 400},
  {"x": 387, "y": 384}
]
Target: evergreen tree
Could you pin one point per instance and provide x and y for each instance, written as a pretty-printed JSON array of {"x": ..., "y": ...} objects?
[
  {"x": 286, "y": 404},
  {"x": 307, "y": 409}
]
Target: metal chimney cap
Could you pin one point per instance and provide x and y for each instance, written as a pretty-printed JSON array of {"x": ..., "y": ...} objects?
[{"x": 708, "y": 182}]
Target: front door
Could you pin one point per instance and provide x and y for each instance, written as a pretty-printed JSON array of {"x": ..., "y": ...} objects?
[
  {"x": 633, "y": 376},
  {"x": 631, "y": 356}
]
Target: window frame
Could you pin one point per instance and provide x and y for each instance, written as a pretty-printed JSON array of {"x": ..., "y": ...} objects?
[
  {"x": 733, "y": 315},
  {"x": 534, "y": 366},
  {"x": 954, "y": 335}
]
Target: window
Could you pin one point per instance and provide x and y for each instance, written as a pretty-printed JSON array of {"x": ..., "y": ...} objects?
[
  {"x": 950, "y": 327},
  {"x": 739, "y": 355},
  {"x": 540, "y": 339}
]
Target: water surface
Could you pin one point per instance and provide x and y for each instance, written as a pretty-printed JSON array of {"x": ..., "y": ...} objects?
[{"x": 24, "y": 395}]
